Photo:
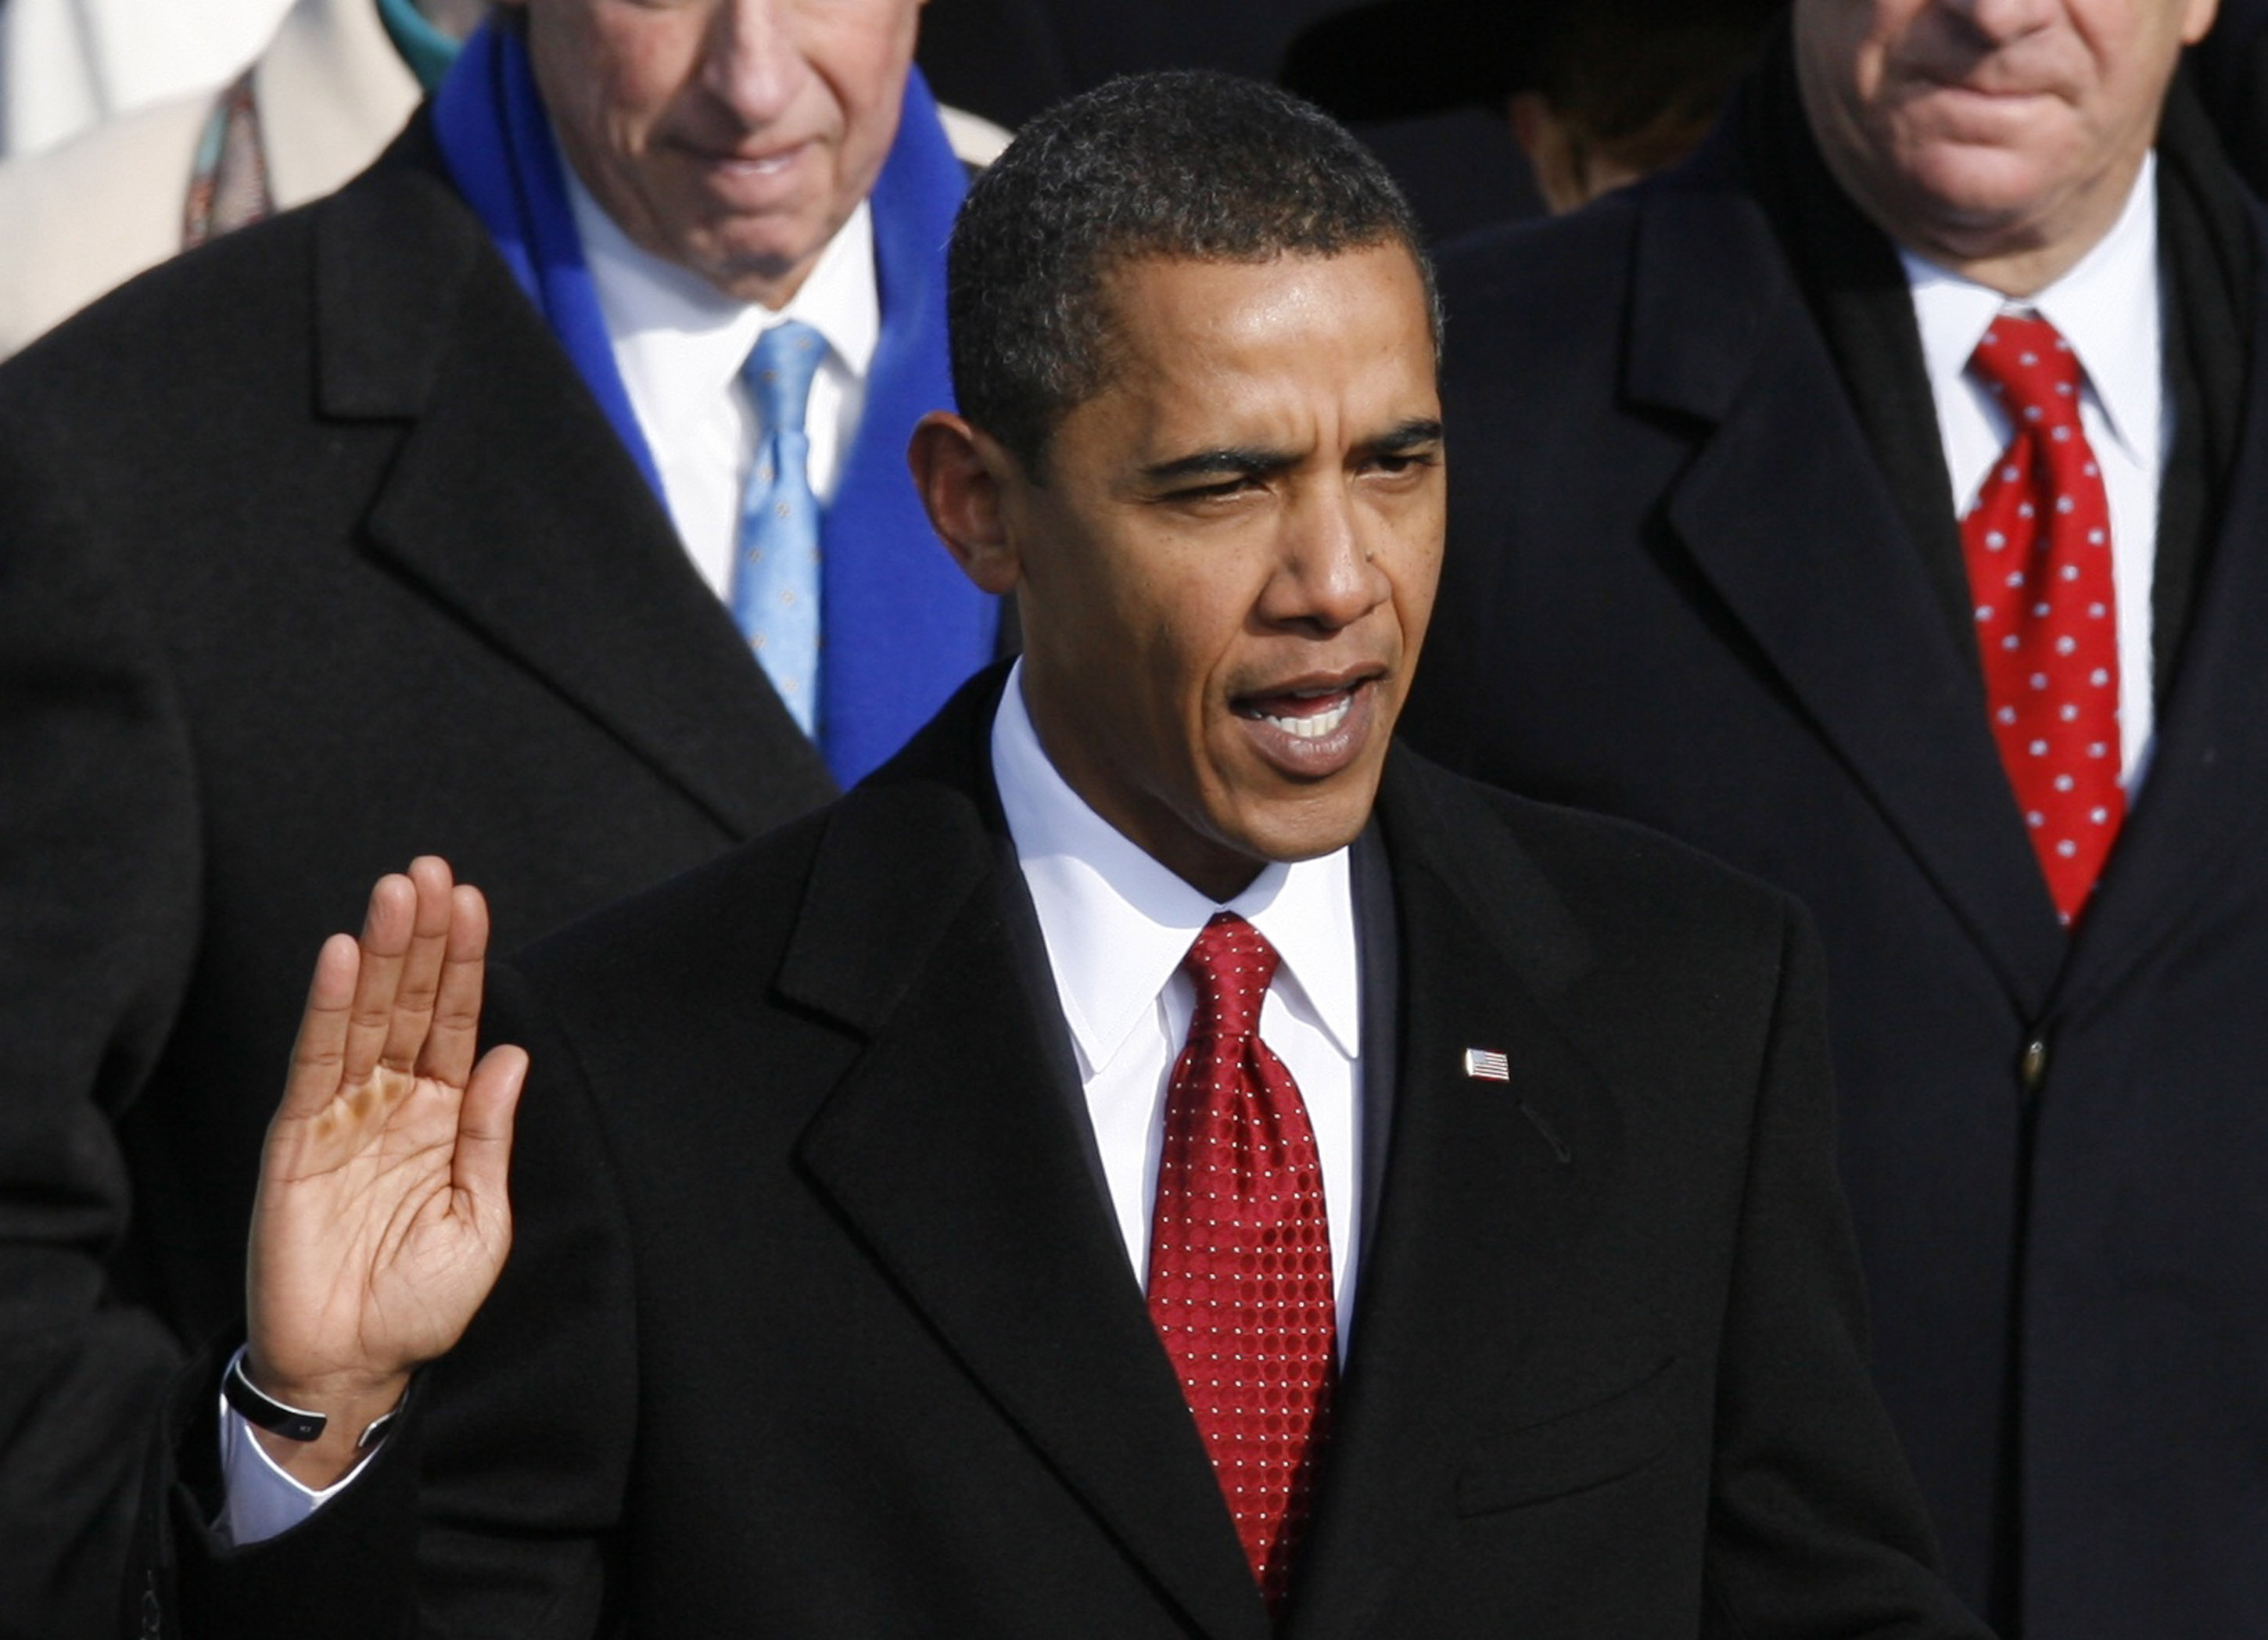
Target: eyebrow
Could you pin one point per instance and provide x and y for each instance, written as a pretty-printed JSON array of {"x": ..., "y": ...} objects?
[
  {"x": 1418, "y": 430},
  {"x": 1228, "y": 461},
  {"x": 1259, "y": 461}
]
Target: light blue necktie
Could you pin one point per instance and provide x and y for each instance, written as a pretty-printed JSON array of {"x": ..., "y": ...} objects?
[{"x": 776, "y": 577}]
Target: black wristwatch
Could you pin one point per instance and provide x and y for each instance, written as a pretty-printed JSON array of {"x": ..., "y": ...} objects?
[{"x": 293, "y": 1423}]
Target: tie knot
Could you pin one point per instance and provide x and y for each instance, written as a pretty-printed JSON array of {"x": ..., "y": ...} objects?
[
  {"x": 2026, "y": 363},
  {"x": 780, "y": 371},
  {"x": 1233, "y": 964}
]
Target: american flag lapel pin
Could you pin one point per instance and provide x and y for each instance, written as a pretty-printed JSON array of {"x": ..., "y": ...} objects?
[{"x": 1485, "y": 1065}]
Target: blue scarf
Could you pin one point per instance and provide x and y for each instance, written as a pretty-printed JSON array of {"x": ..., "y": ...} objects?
[{"x": 904, "y": 626}]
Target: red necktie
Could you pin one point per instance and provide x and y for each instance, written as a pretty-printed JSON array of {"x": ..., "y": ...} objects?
[
  {"x": 2038, "y": 547},
  {"x": 1241, "y": 1254}
]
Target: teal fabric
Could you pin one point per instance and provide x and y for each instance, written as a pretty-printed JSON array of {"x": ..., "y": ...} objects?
[{"x": 426, "y": 49}]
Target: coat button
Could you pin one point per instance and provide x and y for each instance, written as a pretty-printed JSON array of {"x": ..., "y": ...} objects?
[{"x": 2034, "y": 1069}]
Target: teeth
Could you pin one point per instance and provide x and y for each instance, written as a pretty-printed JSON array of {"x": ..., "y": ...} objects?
[{"x": 1316, "y": 727}]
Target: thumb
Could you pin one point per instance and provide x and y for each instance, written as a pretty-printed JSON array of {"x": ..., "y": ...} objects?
[{"x": 485, "y": 1128}]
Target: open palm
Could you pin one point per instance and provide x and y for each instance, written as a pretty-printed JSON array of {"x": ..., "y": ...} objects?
[{"x": 382, "y": 1219}]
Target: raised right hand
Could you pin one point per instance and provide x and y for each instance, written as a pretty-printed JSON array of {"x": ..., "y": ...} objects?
[{"x": 382, "y": 1220}]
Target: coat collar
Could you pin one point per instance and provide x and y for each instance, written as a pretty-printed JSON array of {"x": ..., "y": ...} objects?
[
  {"x": 510, "y": 503},
  {"x": 1810, "y": 558},
  {"x": 1812, "y": 561},
  {"x": 936, "y": 1151},
  {"x": 2208, "y": 780}
]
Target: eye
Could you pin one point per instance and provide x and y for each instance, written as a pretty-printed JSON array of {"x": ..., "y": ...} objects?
[
  {"x": 1219, "y": 490},
  {"x": 1393, "y": 463}
]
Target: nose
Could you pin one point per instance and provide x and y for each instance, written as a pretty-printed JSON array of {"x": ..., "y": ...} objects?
[
  {"x": 751, "y": 60},
  {"x": 1999, "y": 21},
  {"x": 1327, "y": 577}
]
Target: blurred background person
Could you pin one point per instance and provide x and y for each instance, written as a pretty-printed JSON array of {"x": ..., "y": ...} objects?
[
  {"x": 69, "y": 64},
  {"x": 1621, "y": 89},
  {"x": 1007, "y": 59},
  {"x": 1597, "y": 92},
  {"x": 329, "y": 90}
]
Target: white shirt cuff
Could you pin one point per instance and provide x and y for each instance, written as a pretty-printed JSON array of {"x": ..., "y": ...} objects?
[{"x": 263, "y": 1501}]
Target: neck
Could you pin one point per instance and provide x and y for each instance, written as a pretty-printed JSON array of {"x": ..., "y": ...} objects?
[{"x": 2019, "y": 259}]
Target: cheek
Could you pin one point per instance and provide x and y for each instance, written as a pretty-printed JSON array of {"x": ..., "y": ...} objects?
[
  {"x": 866, "y": 101},
  {"x": 633, "y": 95},
  {"x": 635, "y": 64}
]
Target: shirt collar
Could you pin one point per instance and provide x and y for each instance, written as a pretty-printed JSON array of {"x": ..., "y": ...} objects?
[
  {"x": 2106, "y": 306},
  {"x": 1117, "y": 923},
  {"x": 685, "y": 340}
]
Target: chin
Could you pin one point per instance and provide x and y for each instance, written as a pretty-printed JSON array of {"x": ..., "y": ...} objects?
[
  {"x": 1977, "y": 187},
  {"x": 1311, "y": 829}
]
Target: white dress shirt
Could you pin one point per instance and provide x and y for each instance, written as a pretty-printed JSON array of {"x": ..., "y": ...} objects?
[
  {"x": 1117, "y": 924},
  {"x": 2109, "y": 308},
  {"x": 680, "y": 343}
]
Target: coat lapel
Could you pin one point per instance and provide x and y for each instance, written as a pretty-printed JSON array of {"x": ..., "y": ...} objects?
[
  {"x": 953, "y": 1150},
  {"x": 511, "y": 502},
  {"x": 1480, "y": 1176},
  {"x": 2207, "y": 783},
  {"x": 1793, "y": 526}
]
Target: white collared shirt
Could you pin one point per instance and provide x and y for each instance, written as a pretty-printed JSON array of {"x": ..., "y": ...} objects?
[
  {"x": 2109, "y": 308},
  {"x": 680, "y": 343},
  {"x": 1118, "y": 924}
]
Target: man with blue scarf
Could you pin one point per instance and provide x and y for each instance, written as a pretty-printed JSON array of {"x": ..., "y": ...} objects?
[{"x": 540, "y": 498}]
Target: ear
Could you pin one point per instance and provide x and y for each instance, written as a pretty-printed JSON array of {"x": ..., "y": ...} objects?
[
  {"x": 962, "y": 474},
  {"x": 2197, "y": 20}
]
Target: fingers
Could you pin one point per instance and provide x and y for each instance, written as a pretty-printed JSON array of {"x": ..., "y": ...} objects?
[
  {"x": 456, "y": 1012},
  {"x": 320, "y": 1046},
  {"x": 484, "y": 1127},
  {"x": 407, "y": 995},
  {"x": 418, "y": 980},
  {"x": 386, "y": 930}
]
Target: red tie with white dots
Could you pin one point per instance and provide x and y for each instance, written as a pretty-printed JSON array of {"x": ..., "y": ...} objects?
[
  {"x": 1241, "y": 1254},
  {"x": 2038, "y": 547}
]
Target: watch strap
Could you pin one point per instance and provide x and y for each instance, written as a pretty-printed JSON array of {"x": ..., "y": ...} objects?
[{"x": 265, "y": 1412}]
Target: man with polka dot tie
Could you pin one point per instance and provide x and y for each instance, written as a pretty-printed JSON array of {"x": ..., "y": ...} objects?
[
  {"x": 1880, "y": 504},
  {"x": 1152, "y": 1162}
]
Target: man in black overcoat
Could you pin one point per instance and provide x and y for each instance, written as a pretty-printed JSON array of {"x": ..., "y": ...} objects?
[
  {"x": 321, "y": 548},
  {"x": 1736, "y": 550},
  {"x": 1153, "y": 1160}
]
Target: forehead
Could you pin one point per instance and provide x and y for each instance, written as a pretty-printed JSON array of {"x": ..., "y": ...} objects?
[
  {"x": 1193, "y": 344},
  {"x": 645, "y": 33}
]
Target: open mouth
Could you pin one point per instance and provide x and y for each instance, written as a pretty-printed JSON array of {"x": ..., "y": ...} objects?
[
  {"x": 1313, "y": 728},
  {"x": 1310, "y": 715}
]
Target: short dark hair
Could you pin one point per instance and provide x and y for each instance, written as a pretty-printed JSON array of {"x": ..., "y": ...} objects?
[{"x": 1190, "y": 164}]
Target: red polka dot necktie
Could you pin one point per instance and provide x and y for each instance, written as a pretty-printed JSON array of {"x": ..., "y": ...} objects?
[
  {"x": 1241, "y": 1254},
  {"x": 2038, "y": 548}
]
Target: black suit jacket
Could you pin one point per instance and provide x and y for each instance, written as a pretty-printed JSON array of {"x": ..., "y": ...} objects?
[
  {"x": 1680, "y": 588},
  {"x": 314, "y": 554},
  {"x": 817, "y": 1321}
]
